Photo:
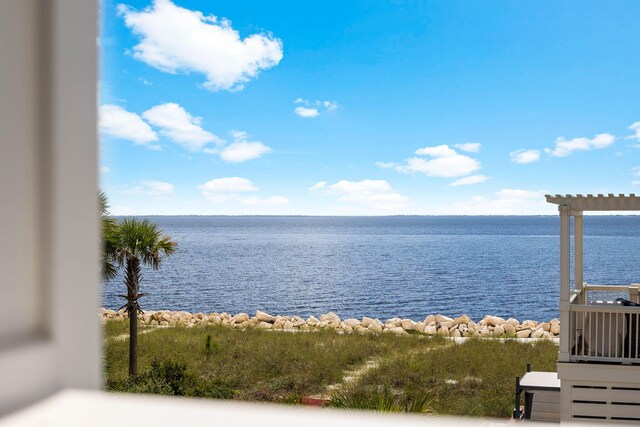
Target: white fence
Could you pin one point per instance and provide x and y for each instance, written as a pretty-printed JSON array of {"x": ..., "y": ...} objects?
[{"x": 602, "y": 329}]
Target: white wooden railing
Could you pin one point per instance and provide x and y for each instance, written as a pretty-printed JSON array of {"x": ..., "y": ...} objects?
[{"x": 601, "y": 329}]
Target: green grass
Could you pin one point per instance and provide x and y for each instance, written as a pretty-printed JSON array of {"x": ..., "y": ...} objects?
[
  {"x": 252, "y": 364},
  {"x": 113, "y": 328},
  {"x": 415, "y": 373},
  {"x": 476, "y": 378}
]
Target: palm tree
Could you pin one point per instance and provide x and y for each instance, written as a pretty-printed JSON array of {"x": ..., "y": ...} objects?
[
  {"x": 138, "y": 242},
  {"x": 109, "y": 229}
]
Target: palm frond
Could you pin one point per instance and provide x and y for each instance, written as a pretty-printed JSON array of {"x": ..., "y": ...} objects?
[{"x": 144, "y": 240}]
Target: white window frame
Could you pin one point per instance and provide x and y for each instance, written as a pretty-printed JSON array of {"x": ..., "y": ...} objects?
[{"x": 48, "y": 90}]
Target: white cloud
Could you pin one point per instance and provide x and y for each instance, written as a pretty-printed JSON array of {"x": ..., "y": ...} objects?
[
  {"x": 174, "y": 39},
  {"x": 242, "y": 150},
  {"x": 306, "y": 112},
  {"x": 636, "y": 129},
  {"x": 471, "y": 147},
  {"x": 635, "y": 170},
  {"x": 565, "y": 147},
  {"x": 318, "y": 185},
  {"x": 525, "y": 156},
  {"x": 386, "y": 165},
  {"x": 311, "y": 109},
  {"x": 151, "y": 188},
  {"x": 507, "y": 201},
  {"x": 231, "y": 189},
  {"x": 180, "y": 126},
  {"x": 437, "y": 151},
  {"x": 469, "y": 180},
  {"x": 120, "y": 123},
  {"x": 444, "y": 162},
  {"x": 268, "y": 201},
  {"x": 376, "y": 194},
  {"x": 105, "y": 169},
  {"x": 330, "y": 105},
  {"x": 227, "y": 185},
  {"x": 145, "y": 81}
]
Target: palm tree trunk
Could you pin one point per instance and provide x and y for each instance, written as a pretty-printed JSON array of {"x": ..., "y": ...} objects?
[
  {"x": 132, "y": 280},
  {"x": 133, "y": 344}
]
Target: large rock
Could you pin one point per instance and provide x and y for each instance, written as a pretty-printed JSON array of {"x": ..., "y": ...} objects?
[
  {"x": 366, "y": 321},
  {"x": 538, "y": 333},
  {"x": 555, "y": 328},
  {"x": 525, "y": 333},
  {"x": 350, "y": 323},
  {"x": 430, "y": 330},
  {"x": 456, "y": 333},
  {"x": 498, "y": 331},
  {"x": 512, "y": 321},
  {"x": 441, "y": 318},
  {"x": 447, "y": 324},
  {"x": 464, "y": 319},
  {"x": 545, "y": 326},
  {"x": 419, "y": 327},
  {"x": 547, "y": 335},
  {"x": 330, "y": 317},
  {"x": 288, "y": 325},
  {"x": 532, "y": 324},
  {"x": 240, "y": 317},
  {"x": 264, "y": 317},
  {"x": 375, "y": 327},
  {"x": 408, "y": 324},
  {"x": 297, "y": 321},
  {"x": 492, "y": 320},
  {"x": 509, "y": 329},
  {"x": 264, "y": 325},
  {"x": 395, "y": 321},
  {"x": 430, "y": 319}
]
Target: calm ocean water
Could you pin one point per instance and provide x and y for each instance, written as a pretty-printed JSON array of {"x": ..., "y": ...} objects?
[{"x": 379, "y": 266}]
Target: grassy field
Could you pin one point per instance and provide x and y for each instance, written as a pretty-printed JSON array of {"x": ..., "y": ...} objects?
[{"x": 403, "y": 373}]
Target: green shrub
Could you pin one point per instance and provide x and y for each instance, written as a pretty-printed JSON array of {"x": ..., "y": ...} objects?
[
  {"x": 172, "y": 378},
  {"x": 211, "y": 346},
  {"x": 381, "y": 401}
]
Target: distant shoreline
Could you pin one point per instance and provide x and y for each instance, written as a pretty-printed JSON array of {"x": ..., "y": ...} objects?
[{"x": 346, "y": 216}]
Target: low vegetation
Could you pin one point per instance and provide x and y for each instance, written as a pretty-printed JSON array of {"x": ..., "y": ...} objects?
[
  {"x": 476, "y": 378},
  {"x": 412, "y": 373}
]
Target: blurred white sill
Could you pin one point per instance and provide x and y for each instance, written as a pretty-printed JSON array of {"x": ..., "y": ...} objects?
[{"x": 97, "y": 408}]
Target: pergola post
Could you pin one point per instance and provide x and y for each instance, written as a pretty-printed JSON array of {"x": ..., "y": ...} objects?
[
  {"x": 565, "y": 281},
  {"x": 578, "y": 251}
]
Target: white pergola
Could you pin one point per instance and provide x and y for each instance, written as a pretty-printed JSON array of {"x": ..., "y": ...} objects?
[{"x": 573, "y": 206}]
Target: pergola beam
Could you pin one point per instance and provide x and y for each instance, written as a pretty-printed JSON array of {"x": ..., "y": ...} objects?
[{"x": 600, "y": 202}]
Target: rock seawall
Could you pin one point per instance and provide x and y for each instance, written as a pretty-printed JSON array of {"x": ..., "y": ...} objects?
[{"x": 463, "y": 326}]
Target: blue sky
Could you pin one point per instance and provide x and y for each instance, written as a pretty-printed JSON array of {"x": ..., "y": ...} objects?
[{"x": 366, "y": 108}]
